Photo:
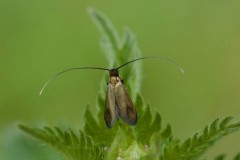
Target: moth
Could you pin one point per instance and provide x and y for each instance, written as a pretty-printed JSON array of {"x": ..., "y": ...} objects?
[{"x": 118, "y": 102}]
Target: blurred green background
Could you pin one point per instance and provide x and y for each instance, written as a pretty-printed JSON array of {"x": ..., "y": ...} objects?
[{"x": 40, "y": 38}]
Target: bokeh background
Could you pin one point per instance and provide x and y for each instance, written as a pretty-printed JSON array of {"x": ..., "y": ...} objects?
[{"x": 40, "y": 38}]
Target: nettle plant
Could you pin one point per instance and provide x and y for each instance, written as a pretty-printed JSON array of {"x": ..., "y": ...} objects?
[{"x": 147, "y": 140}]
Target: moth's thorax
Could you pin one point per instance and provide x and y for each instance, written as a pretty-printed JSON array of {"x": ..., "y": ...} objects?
[
  {"x": 114, "y": 77},
  {"x": 114, "y": 80}
]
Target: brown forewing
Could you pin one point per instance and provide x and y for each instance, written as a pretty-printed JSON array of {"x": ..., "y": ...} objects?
[
  {"x": 110, "y": 112},
  {"x": 125, "y": 106}
]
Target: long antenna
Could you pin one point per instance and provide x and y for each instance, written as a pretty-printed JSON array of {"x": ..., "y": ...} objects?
[
  {"x": 99, "y": 68},
  {"x": 163, "y": 58},
  {"x": 70, "y": 69}
]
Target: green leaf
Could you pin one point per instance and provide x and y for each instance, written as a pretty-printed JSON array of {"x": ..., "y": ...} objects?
[
  {"x": 198, "y": 144},
  {"x": 213, "y": 127},
  {"x": 120, "y": 50},
  {"x": 147, "y": 126},
  {"x": 225, "y": 121},
  {"x": 110, "y": 39},
  {"x": 139, "y": 104},
  {"x": 167, "y": 132},
  {"x": 156, "y": 124},
  {"x": 67, "y": 142},
  {"x": 132, "y": 72}
]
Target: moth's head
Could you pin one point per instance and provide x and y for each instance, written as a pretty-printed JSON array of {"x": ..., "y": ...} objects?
[{"x": 113, "y": 72}]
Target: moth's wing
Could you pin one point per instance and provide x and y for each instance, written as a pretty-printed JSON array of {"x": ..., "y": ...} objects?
[
  {"x": 110, "y": 112},
  {"x": 125, "y": 105}
]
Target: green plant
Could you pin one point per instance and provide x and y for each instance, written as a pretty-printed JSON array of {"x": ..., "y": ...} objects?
[{"x": 148, "y": 140}]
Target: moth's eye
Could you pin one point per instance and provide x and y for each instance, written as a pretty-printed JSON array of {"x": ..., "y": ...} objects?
[
  {"x": 107, "y": 83},
  {"x": 122, "y": 81}
]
